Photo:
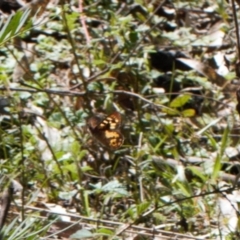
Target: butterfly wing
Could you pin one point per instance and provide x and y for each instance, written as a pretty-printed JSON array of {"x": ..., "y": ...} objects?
[
  {"x": 112, "y": 122},
  {"x": 113, "y": 139},
  {"x": 106, "y": 131}
]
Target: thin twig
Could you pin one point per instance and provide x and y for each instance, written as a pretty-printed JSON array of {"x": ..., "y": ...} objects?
[
  {"x": 145, "y": 100},
  {"x": 92, "y": 78},
  {"x": 82, "y": 19},
  {"x": 49, "y": 91},
  {"x": 236, "y": 27},
  {"x": 5, "y": 205},
  {"x": 72, "y": 42},
  {"x": 45, "y": 138}
]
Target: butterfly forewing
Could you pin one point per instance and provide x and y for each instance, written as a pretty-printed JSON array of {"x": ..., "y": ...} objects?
[
  {"x": 106, "y": 131},
  {"x": 112, "y": 122}
]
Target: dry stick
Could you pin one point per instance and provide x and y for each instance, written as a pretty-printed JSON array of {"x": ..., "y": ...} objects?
[
  {"x": 6, "y": 201},
  {"x": 145, "y": 100},
  {"x": 107, "y": 223},
  {"x": 50, "y": 149},
  {"x": 49, "y": 91},
  {"x": 73, "y": 47},
  {"x": 23, "y": 172},
  {"x": 21, "y": 65},
  {"x": 238, "y": 48},
  {"x": 43, "y": 162},
  {"x": 82, "y": 19},
  {"x": 236, "y": 28},
  {"x": 75, "y": 93}
]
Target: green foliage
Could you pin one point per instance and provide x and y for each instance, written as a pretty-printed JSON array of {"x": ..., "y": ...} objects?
[
  {"x": 14, "y": 26},
  {"x": 30, "y": 228},
  {"x": 176, "y": 134}
]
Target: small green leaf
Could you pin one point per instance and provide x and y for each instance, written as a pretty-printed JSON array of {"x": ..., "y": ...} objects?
[
  {"x": 185, "y": 190},
  {"x": 133, "y": 36},
  {"x": 180, "y": 100},
  {"x": 224, "y": 140},
  {"x": 72, "y": 19},
  {"x": 197, "y": 173},
  {"x": 115, "y": 186},
  {"x": 172, "y": 112},
  {"x": 188, "y": 113},
  {"x": 105, "y": 231},
  {"x": 217, "y": 167},
  {"x": 84, "y": 233},
  {"x": 141, "y": 208},
  {"x": 14, "y": 24}
]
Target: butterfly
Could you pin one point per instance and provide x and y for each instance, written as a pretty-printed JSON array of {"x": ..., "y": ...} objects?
[{"x": 106, "y": 131}]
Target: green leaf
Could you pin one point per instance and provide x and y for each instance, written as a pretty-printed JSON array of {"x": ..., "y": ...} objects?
[
  {"x": 72, "y": 19},
  {"x": 133, "y": 36},
  {"x": 224, "y": 140},
  {"x": 86, "y": 203},
  {"x": 23, "y": 21},
  {"x": 141, "y": 208},
  {"x": 14, "y": 25},
  {"x": 198, "y": 173},
  {"x": 69, "y": 168},
  {"x": 84, "y": 233},
  {"x": 180, "y": 100},
  {"x": 171, "y": 111},
  {"x": 217, "y": 167},
  {"x": 188, "y": 113},
  {"x": 105, "y": 231},
  {"x": 115, "y": 186},
  {"x": 212, "y": 141},
  {"x": 185, "y": 190}
]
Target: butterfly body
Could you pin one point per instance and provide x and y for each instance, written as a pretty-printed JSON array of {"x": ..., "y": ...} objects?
[{"x": 107, "y": 131}]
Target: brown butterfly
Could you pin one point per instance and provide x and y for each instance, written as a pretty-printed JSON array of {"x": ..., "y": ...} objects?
[{"x": 106, "y": 131}]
